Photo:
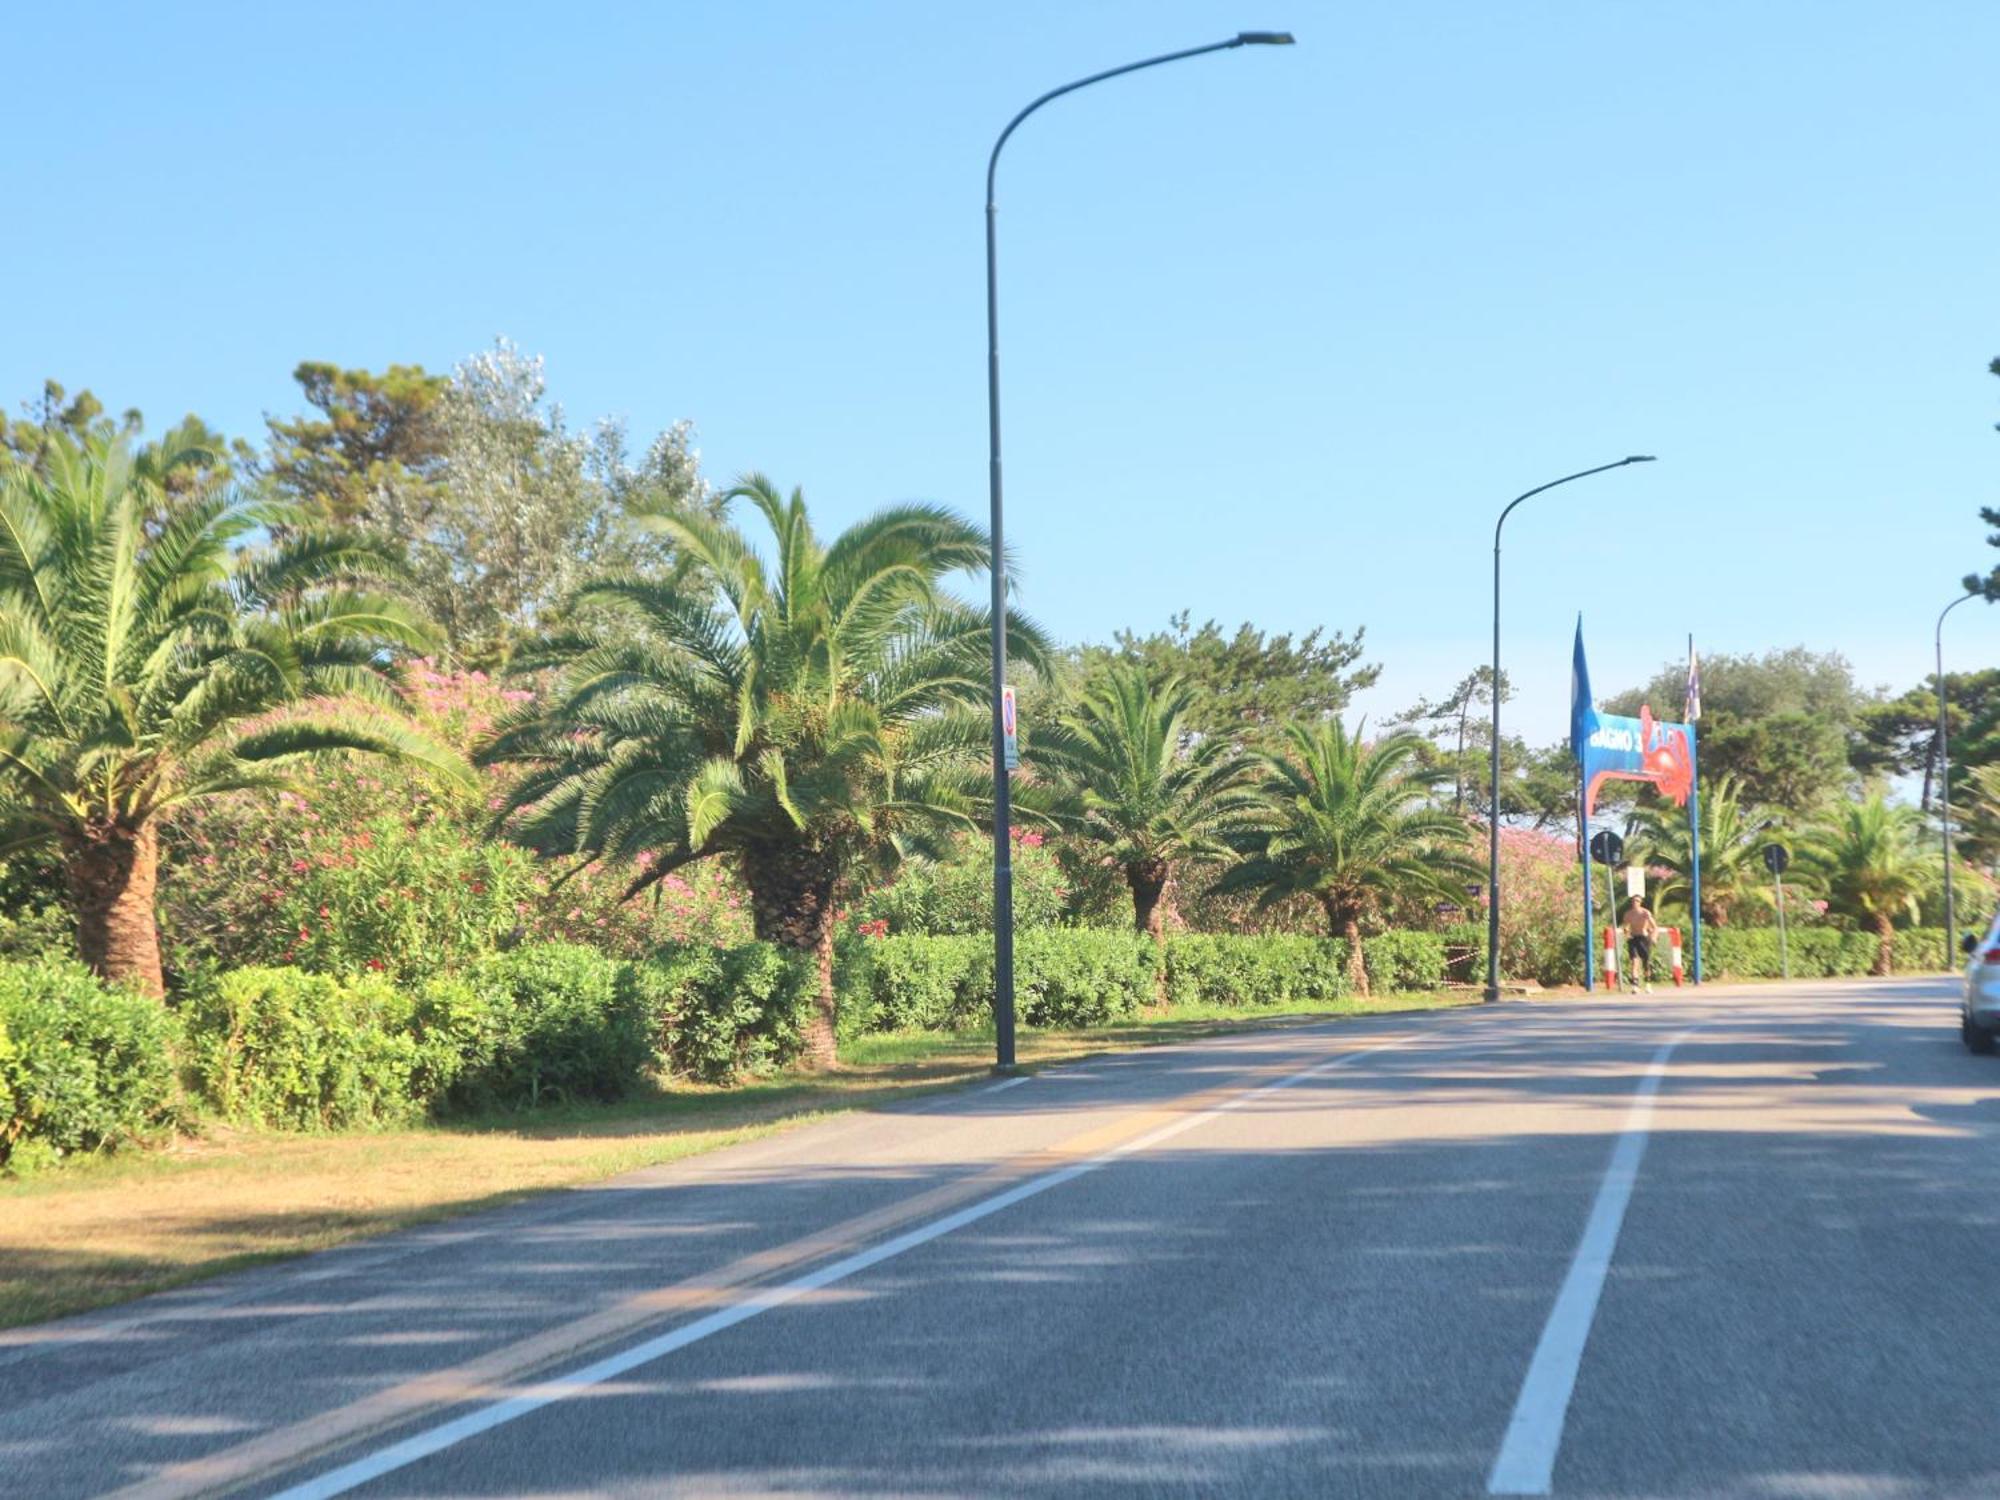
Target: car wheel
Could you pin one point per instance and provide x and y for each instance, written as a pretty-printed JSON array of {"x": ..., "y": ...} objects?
[{"x": 1977, "y": 1038}]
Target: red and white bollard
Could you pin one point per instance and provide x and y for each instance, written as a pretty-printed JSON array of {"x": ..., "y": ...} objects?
[
  {"x": 1611, "y": 958},
  {"x": 1674, "y": 948}
]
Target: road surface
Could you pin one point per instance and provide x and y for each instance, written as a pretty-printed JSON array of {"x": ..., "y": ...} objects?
[{"x": 1745, "y": 1244}]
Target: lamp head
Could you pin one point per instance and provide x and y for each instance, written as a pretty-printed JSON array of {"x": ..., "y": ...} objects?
[
  {"x": 1642, "y": 458},
  {"x": 1264, "y": 39}
]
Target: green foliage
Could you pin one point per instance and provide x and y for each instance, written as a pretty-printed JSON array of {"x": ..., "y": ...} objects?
[
  {"x": 562, "y": 1024},
  {"x": 1062, "y": 977},
  {"x": 1734, "y": 881},
  {"x": 152, "y": 658},
  {"x": 373, "y": 867},
  {"x": 1816, "y": 952},
  {"x": 1404, "y": 960},
  {"x": 921, "y": 983},
  {"x": 1778, "y": 723},
  {"x": 1348, "y": 830},
  {"x": 83, "y": 1067},
  {"x": 286, "y": 1050},
  {"x": 375, "y": 435},
  {"x": 34, "y": 921},
  {"x": 1124, "y": 772},
  {"x": 717, "y": 1013},
  {"x": 1870, "y": 862},
  {"x": 1254, "y": 969},
  {"x": 1247, "y": 686},
  {"x": 936, "y": 898},
  {"x": 805, "y": 718}
]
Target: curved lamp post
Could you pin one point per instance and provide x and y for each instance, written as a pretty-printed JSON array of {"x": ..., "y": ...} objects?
[
  {"x": 1493, "y": 812},
  {"x": 1944, "y": 784},
  {"x": 1003, "y": 812}
]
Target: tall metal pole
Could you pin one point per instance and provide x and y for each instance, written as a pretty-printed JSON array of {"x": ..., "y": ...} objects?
[
  {"x": 1003, "y": 812},
  {"x": 1493, "y": 810},
  {"x": 1944, "y": 785},
  {"x": 1784, "y": 952}
]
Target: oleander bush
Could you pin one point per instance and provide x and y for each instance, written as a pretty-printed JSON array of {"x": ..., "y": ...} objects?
[
  {"x": 83, "y": 1066},
  {"x": 1408, "y": 960}
]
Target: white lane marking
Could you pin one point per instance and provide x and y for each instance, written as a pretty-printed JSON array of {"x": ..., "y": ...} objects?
[
  {"x": 484, "y": 1419},
  {"x": 1005, "y": 1083},
  {"x": 1527, "y": 1460}
]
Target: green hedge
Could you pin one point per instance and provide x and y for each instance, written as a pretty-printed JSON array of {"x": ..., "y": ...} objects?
[
  {"x": 288, "y": 1050},
  {"x": 1062, "y": 977},
  {"x": 83, "y": 1067},
  {"x": 1084, "y": 977},
  {"x": 1219, "y": 969}
]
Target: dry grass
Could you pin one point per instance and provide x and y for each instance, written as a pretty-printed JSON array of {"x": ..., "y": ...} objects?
[{"x": 94, "y": 1233}]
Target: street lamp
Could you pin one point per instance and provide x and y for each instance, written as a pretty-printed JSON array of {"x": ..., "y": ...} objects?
[
  {"x": 1003, "y": 867},
  {"x": 1944, "y": 784},
  {"x": 1493, "y": 812}
]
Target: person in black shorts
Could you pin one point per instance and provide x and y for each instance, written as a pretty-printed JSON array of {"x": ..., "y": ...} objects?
[{"x": 1640, "y": 929}]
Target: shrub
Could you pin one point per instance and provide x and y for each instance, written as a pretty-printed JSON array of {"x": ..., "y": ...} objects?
[
  {"x": 913, "y": 983},
  {"x": 284, "y": 1049},
  {"x": 715, "y": 1013},
  {"x": 82, "y": 1067},
  {"x": 1076, "y": 978},
  {"x": 552, "y": 1023},
  {"x": 1254, "y": 969},
  {"x": 956, "y": 898},
  {"x": 1410, "y": 960}
]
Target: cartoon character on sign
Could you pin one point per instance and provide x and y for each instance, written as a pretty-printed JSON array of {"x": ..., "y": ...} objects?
[{"x": 1668, "y": 764}]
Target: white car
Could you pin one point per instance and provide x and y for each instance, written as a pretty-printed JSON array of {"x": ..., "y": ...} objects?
[{"x": 1979, "y": 1011}]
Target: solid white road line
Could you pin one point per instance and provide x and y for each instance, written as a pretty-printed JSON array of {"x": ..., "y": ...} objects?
[
  {"x": 484, "y": 1419},
  {"x": 1005, "y": 1083},
  {"x": 1527, "y": 1460}
]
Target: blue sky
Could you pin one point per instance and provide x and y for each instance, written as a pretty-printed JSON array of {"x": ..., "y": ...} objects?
[{"x": 1282, "y": 329}]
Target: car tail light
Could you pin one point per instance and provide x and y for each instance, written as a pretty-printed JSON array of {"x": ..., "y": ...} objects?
[{"x": 1991, "y": 956}]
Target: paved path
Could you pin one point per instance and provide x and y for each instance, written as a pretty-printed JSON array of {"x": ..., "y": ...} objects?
[{"x": 1741, "y": 1245}]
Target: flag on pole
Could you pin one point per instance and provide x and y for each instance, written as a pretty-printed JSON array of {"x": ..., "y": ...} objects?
[
  {"x": 1693, "y": 705},
  {"x": 1579, "y": 695}
]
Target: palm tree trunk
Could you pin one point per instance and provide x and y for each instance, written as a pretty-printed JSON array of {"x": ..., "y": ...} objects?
[
  {"x": 1152, "y": 905},
  {"x": 1885, "y": 933},
  {"x": 791, "y": 905},
  {"x": 1342, "y": 924},
  {"x": 112, "y": 873}
]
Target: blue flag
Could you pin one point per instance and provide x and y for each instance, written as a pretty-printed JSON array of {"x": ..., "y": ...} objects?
[{"x": 1579, "y": 696}]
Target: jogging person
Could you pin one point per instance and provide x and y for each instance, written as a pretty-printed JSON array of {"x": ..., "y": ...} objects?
[{"x": 1640, "y": 929}]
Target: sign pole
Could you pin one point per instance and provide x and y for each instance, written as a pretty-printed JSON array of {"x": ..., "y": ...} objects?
[
  {"x": 1784, "y": 952},
  {"x": 1589, "y": 884},
  {"x": 1694, "y": 846}
]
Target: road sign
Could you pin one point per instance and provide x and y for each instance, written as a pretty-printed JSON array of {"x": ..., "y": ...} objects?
[
  {"x": 1606, "y": 847},
  {"x": 1777, "y": 858},
  {"x": 1009, "y": 736}
]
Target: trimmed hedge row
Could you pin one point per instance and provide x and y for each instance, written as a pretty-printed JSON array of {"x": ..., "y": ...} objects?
[
  {"x": 1077, "y": 977},
  {"x": 84, "y": 1068}
]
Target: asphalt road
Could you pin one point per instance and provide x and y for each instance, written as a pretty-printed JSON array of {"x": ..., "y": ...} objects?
[{"x": 1741, "y": 1245}]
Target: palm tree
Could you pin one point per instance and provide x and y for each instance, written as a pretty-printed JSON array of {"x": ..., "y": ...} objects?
[
  {"x": 1350, "y": 827},
  {"x": 1733, "y": 836},
  {"x": 804, "y": 719},
  {"x": 1870, "y": 861},
  {"x": 150, "y": 659},
  {"x": 1123, "y": 781}
]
